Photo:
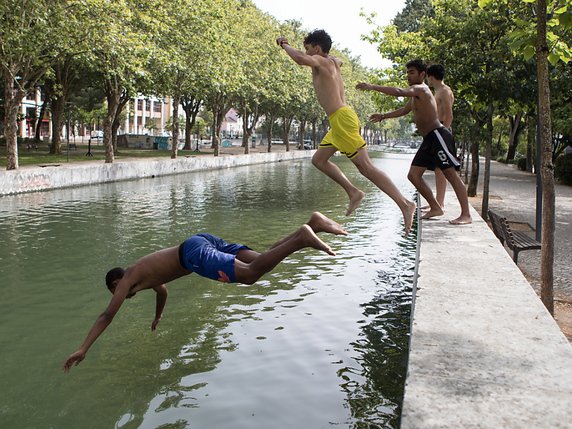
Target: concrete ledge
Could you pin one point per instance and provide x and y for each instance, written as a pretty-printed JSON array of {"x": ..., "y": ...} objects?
[
  {"x": 485, "y": 353},
  {"x": 89, "y": 173}
]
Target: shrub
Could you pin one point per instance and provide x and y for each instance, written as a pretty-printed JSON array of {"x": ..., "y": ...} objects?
[
  {"x": 502, "y": 159},
  {"x": 563, "y": 169},
  {"x": 521, "y": 164}
]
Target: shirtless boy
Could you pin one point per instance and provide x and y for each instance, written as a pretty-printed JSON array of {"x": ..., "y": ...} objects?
[
  {"x": 437, "y": 148},
  {"x": 344, "y": 133},
  {"x": 206, "y": 255},
  {"x": 444, "y": 98}
]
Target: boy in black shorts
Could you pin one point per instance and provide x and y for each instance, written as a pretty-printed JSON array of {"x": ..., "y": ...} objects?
[{"x": 437, "y": 149}]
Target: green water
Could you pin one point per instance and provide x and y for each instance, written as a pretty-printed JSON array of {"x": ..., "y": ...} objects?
[{"x": 319, "y": 342}]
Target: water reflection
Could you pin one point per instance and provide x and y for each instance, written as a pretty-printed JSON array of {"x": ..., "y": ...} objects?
[{"x": 319, "y": 341}]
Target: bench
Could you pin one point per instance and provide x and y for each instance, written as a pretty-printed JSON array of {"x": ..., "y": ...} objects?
[{"x": 516, "y": 241}]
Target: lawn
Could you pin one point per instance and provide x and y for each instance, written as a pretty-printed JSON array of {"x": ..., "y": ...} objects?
[{"x": 41, "y": 154}]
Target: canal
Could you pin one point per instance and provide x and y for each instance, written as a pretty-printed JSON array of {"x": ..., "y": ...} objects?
[{"x": 321, "y": 341}]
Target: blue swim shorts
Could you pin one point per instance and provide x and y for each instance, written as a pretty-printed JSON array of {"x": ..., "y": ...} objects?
[{"x": 210, "y": 256}]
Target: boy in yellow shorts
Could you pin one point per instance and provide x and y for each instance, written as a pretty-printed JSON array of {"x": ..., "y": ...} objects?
[{"x": 344, "y": 133}]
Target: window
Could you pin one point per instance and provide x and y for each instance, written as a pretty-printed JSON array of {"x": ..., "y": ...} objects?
[
  {"x": 139, "y": 104},
  {"x": 157, "y": 106},
  {"x": 147, "y": 105}
]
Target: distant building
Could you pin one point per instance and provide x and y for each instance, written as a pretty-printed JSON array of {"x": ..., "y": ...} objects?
[
  {"x": 143, "y": 115},
  {"x": 232, "y": 125},
  {"x": 147, "y": 115},
  {"x": 29, "y": 111}
]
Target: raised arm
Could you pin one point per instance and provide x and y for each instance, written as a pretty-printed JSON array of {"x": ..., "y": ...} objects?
[
  {"x": 299, "y": 57},
  {"x": 162, "y": 294}
]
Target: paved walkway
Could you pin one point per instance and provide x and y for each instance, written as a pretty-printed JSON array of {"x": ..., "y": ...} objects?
[
  {"x": 484, "y": 351},
  {"x": 513, "y": 195}
]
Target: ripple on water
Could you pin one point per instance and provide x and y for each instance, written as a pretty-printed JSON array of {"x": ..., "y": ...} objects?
[{"x": 319, "y": 341}]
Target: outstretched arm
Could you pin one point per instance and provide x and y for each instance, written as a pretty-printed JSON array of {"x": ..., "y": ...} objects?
[
  {"x": 160, "y": 304},
  {"x": 411, "y": 91},
  {"x": 102, "y": 322},
  {"x": 299, "y": 57},
  {"x": 402, "y": 111}
]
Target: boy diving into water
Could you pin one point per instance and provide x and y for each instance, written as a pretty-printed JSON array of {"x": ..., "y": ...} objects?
[{"x": 207, "y": 255}]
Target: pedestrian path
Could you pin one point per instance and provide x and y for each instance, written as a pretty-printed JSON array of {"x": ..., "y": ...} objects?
[{"x": 485, "y": 352}]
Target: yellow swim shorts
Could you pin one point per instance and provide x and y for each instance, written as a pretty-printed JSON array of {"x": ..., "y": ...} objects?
[{"x": 344, "y": 132}]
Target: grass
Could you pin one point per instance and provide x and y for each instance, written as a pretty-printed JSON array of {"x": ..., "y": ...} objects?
[{"x": 41, "y": 155}]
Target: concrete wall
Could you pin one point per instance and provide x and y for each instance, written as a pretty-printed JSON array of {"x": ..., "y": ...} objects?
[
  {"x": 485, "y": 352},
  {"x": 30, "y": 179}
]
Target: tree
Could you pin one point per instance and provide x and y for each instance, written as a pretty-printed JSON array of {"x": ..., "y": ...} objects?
[
  {"x": 259, "y": 64},
  {"x": 543, "y": 40},
  {"x": 122, "y": 46},
  {"x": 409, "y": 19},
  {"x": 30, "y": 34}
]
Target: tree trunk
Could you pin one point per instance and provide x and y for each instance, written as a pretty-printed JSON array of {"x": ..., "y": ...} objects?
[
  {"x": 270, "y": 126},
  {"x": 175, "y": 142},
  {"x": 114, "y": 128},
  {"x": 191, "y": 106},
  {"x": 249, "y": 120},
  {"x": 474, "y": 178},
  {"x": 547, "y": 168},
  {"x": 58, "y": 105},
  {"x": 64, "y": 77},
  {"x": 246, "y": 133},
  {"x": 286, "y": 124},
  {"x": 530, "y": 142},
  {"x": 301, "y": 132},
  {"x": 515, "y": 129},
  {"x": 219, "y": 112},
  {"x": 43, "y": 109},
  {"x": 12, "y": 99},
  {"x": 189, "y": 123},
  {"x": 116, "y": 123},
  {"x": 488, "y": 154},
  {"x": 113, "y": 96}
]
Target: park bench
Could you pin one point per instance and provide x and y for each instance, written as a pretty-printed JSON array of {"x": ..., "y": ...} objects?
[{"x": 516, "y": 241}]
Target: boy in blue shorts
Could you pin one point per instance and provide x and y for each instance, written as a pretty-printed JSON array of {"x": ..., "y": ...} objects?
[
  {"x": 344, "y": 135},
  {"x": 206, "y": 255}
]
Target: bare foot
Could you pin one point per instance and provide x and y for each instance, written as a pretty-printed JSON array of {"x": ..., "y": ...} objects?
[
  {"x": 408, "y": 215},
  {"x": 424, "y": 208},
  {"x": 461, "y": 220},
  {"x": 433, "y": 213},
  {"x": 310, "y": 239},
  {"x": 355, "y": 201},
  {"x": 321, "y": 223}
]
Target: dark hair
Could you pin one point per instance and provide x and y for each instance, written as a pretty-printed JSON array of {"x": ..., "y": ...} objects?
[
  {"x": 320, "y": 38},
  {"x": 437, "y": 71},
  {"x": 416, "y": 64},
  {"x": 112, "y": 275}
]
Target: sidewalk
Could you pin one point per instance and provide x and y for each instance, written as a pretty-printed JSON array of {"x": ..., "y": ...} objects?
[
  {"x": 484, "y": 351},
  {"x": 513, "y": 195}
]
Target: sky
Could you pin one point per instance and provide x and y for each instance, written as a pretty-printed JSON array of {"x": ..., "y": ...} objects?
[{"x": 341, "y": 21}]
